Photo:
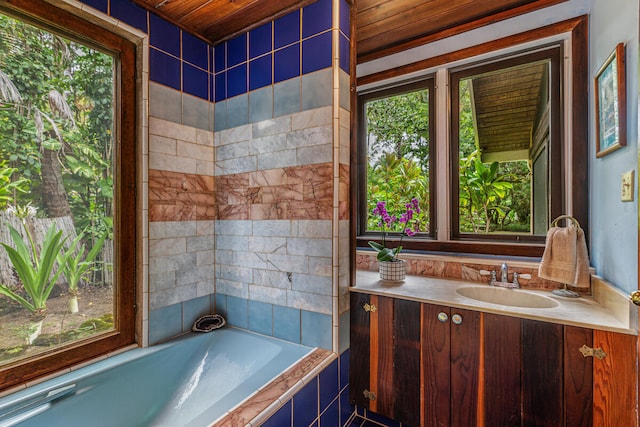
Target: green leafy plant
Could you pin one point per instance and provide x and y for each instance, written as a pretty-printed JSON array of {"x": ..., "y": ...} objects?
[
  {"x": 36, "y": 271},
  {"x": 75, "y": 267}
]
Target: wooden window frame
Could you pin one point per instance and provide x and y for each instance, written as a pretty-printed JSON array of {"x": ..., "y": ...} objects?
[
  {"x": 577, "y": 96},
  {"x": 51, "y": 18},
  {"x": 553, "y": 53},
  {"x": 361, "y": 166}
]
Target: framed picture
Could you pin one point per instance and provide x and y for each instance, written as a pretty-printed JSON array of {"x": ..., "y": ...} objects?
[{"x": 611, "y": 111}]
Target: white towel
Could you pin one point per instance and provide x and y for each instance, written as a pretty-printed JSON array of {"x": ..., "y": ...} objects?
[{"x": 565, "y": 258}]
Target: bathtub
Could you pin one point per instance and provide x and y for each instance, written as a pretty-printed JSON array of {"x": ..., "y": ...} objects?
[{"x": 191, "y": 381}]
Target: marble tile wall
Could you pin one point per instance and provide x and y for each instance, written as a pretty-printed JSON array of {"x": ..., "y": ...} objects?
[
  {"x": 472, "y": 270},
  {"x": 248, "y": 174}
]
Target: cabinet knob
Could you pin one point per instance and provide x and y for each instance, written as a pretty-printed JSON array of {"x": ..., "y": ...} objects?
[
  {"x": 442, "y": 316},
  {"x": 635, "y": 297},
  {"x": 369, "y": 395},
  {"x": 598, "y": 353},
  {"x": 456, "y": 319},
  {"x": 369, "y": 308}
]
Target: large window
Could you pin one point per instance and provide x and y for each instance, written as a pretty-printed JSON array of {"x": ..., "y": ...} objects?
[
  {"x": 510, "y": 142},
  {"x": 66, "y": 172}
]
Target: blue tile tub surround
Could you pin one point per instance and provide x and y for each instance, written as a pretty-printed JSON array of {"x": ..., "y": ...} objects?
[
  {"x": 299, "y": 326},
  {"x": 164, "y": 35},
  {"x": 321, "y": 402},
  {"x": 305, "y": 404}
]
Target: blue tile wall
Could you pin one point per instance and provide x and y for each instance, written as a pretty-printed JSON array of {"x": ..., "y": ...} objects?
[
  {"x": 130, "y": 13},
  {"x": 282, "y": 418},
  {"x": 345, "y": 57},
  {"x": 286, "y": 323},
  {"x": 195, "y": 81},
  {"x": 237, "y": 50},
  {"x": 261, "y": 317},
  {"x": 286, "y": 30},
  {"x": 164, "y": 69},
  {"x": 237, "y": 80},
  {"x": 237, "y": 312},
  {"x": 345, "y": 18},
  {"x": 261, "y": 40},
  {"x": 220, "y": 57},
  {"x": 101, "y": 5},
  {"x": 260, "y": 72},
  {"x": 316, "y": 18},
  {"x": 164, "y": 35},
  {"x": 316, "y": 53},
  {"x": 165, "y": 323},
  {"x": 286, "y": 63},
  {"x": 195, "y": 51},
  {"x": 316, "y": 329},
  {"x": 305, "y": 404},
  {"x": 295, "y": 44},
  {"x": 322, "y": 402}
]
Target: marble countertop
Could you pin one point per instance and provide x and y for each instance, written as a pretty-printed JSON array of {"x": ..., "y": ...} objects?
[{"x": 583, "y": 312}]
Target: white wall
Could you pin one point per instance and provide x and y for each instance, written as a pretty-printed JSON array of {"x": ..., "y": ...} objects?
[{"x": 614, "y": 224}]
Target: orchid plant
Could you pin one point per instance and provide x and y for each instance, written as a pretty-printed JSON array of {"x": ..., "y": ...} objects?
[{"x": 388, "y": 222}]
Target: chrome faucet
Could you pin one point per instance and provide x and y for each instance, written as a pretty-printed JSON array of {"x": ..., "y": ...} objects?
[
  {"x": 504, "y": 278},
  {"x": 504, "y": 274}
]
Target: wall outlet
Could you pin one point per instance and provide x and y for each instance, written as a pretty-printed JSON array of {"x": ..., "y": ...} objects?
[{"x": 627, "y": 186}]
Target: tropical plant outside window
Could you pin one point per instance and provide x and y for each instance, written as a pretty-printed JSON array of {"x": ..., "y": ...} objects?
[
  {"x": 56, "y": 190},
  {"x": 398, "y": 140}
]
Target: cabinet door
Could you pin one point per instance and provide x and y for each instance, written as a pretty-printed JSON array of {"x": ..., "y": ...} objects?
[
  {"x": 450, "y": 360},
  {"x": 359, "y": 349},
  {"x": 615, "y": 396},
  {"x": 500, "y": 365},
  {"x": 578, "y": 378},
  {"x": 542, "y": 379},
  {"x": 385, "y": 356}
]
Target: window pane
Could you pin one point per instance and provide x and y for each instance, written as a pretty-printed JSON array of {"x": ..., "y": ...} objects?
[
  {"x": 56, "y": 191},
  {"x": 398, "y": 142},
  {"x": 503, "y": 135}
]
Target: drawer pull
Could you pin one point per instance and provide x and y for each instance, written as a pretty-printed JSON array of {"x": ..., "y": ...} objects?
[
  {"x": 369, "y": 395},
  {"x": 598, "y": 353},
  {"x": 370, "y": 308},
  {"x": 456, "y": 319},
  {"x": 442, "y": 316}
]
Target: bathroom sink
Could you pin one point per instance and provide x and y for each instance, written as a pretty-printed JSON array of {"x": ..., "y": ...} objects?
[{"x": 510, "y": 297}]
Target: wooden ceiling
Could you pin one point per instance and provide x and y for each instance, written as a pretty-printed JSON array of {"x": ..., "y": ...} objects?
[{"x": 382, "y": 26}]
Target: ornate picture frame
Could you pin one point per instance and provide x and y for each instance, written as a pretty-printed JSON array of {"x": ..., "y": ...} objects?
[{"x": 610, "y": 103}]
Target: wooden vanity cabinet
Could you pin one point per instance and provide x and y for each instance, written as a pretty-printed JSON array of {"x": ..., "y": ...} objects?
[
  {"x": 431, "y": 365},
  {"x": 385, "y": 356}
]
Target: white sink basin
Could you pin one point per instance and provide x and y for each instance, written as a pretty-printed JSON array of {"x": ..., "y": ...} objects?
[{"x": 510, "y": 297}]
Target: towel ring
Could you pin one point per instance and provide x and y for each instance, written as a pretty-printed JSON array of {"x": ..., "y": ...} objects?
[{"x": 569, "y": 217}]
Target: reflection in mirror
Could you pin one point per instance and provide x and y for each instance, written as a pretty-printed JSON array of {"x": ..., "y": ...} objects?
[{"x": 504, "y": 133}]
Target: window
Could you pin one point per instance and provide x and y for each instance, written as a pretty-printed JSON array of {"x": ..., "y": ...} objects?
[
  {"x": 67, "y": 172},
  {"x": 506, "y": 149},
  {"x": 397, "y": 135},
  {"x": 511, "y": 142}
]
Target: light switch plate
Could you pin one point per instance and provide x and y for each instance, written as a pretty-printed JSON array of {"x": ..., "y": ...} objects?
[{"x": 627, "y": 186}]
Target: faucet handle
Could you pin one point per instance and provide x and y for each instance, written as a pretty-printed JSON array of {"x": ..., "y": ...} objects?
[
  {"x": 515, "y": 279},
  {"x": 493, "y": 280}
]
